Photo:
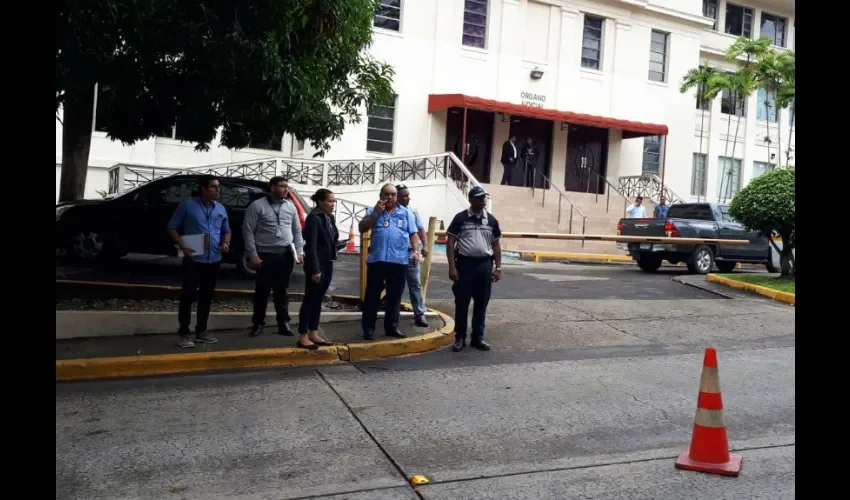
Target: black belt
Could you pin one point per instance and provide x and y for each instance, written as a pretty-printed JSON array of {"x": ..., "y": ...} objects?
[{"x": 482, "y": 257}]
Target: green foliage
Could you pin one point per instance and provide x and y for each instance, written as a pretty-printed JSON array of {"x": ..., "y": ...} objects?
[
  {"x": 768, "y": 205},
  {"x": 256, "y": 68}
]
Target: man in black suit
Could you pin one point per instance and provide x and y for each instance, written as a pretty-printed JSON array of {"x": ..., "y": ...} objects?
[{"x": 509, "y": 156}]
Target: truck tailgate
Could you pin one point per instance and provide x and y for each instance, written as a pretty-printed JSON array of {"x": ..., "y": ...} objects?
[{"x": 643, "y": 227}]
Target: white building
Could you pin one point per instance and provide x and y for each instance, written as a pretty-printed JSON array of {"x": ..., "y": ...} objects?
[{"x": 593, "y": 83}]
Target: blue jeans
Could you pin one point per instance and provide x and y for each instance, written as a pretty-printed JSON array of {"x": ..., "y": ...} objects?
[{"x": 414, "y": 287}]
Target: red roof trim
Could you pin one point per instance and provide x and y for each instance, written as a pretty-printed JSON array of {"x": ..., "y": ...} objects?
[{"x": 439, "y": 102}]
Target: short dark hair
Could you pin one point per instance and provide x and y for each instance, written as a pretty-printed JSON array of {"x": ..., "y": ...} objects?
[
  {"x": 639, "y": 198},
  {"x": 274, "y": 181},
  {"x": 321, "y": 195},
  {"x": 399, "y": 187},
  {"x": 205, "y": 180}
]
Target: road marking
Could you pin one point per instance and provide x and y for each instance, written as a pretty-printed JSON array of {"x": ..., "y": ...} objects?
[{"x": 554, "y": 278}]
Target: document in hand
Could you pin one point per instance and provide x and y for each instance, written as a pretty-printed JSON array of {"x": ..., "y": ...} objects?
[{"x": 197, "y": 242}]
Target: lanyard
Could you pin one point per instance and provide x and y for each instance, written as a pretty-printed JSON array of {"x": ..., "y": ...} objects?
[
  {"x": 208, "y": 213},
  {"x": 277, "y": 212}
]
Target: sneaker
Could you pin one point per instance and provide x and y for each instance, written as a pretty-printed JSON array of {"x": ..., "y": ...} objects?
[
  {"x": 185, "y": 342},
  {"x": 203, "y": 338}
]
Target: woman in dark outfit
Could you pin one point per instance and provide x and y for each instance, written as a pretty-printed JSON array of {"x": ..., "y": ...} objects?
[{"x": 320, "y": 247}]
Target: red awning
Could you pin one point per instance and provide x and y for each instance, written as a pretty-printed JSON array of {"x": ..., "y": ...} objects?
[{"x": 439, "y": 102}]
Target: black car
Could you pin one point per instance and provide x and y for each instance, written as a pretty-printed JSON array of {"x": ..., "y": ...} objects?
[{"x": 97, "y": 231}]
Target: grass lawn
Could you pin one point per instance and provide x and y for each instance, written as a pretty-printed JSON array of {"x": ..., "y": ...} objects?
[{"x": 772, "y": 282}]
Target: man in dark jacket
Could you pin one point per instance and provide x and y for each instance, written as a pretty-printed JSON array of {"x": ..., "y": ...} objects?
[
  {"x": 529, "y": 157},
  {"x": 509, "y": 156}
]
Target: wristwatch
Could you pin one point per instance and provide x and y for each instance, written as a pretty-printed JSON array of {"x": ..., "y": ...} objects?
[{"x": 498, "y": 268}]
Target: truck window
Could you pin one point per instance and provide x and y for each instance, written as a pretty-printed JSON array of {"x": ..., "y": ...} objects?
[
  {"x": 691, "y": 211},
  {"x": 235, "y": 196}
]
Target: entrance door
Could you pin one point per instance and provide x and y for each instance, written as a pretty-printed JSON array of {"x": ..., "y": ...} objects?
[
  {"x": 540, "y": 133},
  {"x": 479, "y": 139},
  {"x": 587, "y": 155}
]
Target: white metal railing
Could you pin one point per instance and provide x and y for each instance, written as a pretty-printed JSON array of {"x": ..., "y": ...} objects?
[{"x": 648, "y": 186}]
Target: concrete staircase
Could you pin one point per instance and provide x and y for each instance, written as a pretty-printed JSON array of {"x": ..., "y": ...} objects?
[{"x": 518, "y": 211}]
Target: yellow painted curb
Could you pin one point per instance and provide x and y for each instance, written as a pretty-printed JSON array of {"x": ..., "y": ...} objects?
[
  {"x": 594, "y": 257},
  {"x": 788, "y": 298},
  {"x": 170, "y": 364}
]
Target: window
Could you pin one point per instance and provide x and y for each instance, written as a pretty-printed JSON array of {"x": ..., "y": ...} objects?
[
  {"x": 709, "y": 10},
  {"x": 693, "y": 211},
  {"x": 761, "y": 112},
  {"x": 760, "y": 168},
  {"x": 380, "y": 128},
  {"x": 475, "y": 23},
  {"x": 658, "y": 56},
  {"x": 728, "y": 177},
  {"x": 739, "y": 20},
  {"x": 235, "y": 196},
  {"x": 698, "y": 174},
  {"x": 175, "y": 192},
  {"x": 102, "y": 94},
  {"x": 702, "y": 104},
  {"x": 591, "y": 45},
  {"x": 733, "y": 103},
  {"x": 774, "y": 27},
  {"x": 273, "y": 143},
  {"x": 388, "y": 15},
  {"x": 297, "y": 146},
  {"x": 652, "y": 154}
]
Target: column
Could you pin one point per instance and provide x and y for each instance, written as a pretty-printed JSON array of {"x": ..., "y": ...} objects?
[{"x": 568, "y": 56}]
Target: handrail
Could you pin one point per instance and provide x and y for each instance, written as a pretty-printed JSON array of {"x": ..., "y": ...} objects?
[
  {"x": 626, "y": 200},
  {"x": 648, "y": 186},
  {"x": 561, "y": 196}
]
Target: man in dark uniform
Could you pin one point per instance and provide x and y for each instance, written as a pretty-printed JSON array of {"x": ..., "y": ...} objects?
[
  {"x": 472, "y": 249},
  {"x": 529, "y": 157},
  {"x": 509, "y": 157}
]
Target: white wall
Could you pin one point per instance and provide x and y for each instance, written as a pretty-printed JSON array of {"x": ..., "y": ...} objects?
[{"x": 429, "y": 58}]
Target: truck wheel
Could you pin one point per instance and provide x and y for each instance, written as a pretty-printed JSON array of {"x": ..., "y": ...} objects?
[
  {"x": 726, "y": 266},
  {"x": 242, "y": 266},
  {"x": 701, "y": 261},
  {"x": 649, "y": 263}
]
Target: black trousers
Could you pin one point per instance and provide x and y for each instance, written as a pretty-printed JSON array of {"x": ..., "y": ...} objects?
[
  {"x": 311, "y": 308},
  {"x": 198, "y": 283},
  {"x": 273, "y": 277},
  {"x": 475, "y": 282},
  {"x": 377, "y": 275},
  {"x": 507, "y": 174}
]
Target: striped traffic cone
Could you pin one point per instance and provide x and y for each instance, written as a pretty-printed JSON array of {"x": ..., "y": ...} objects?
[
  {"x": 709, "y": 451},
  {"x": 442, "y": 239},
  {"x": 350, "y": 248}
]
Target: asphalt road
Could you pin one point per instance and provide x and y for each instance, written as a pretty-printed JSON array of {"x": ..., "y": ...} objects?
[
  {"x": 590, "y": 392},
  {"x": 521, "y": 280}
]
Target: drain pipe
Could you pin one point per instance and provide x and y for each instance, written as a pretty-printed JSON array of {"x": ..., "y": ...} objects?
[
  {"x": 463, "y": 140},
  {"x": 663, "y": 166}
]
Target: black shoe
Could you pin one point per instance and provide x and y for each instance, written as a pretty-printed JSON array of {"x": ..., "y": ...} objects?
[
  {"x": 420, "y": 321},
  {"x": 369, "y": 335},
  {"x": 397, "y": 334},
  {"x": 480, "y": 345},
  {"x": 311, "y": 347},
  {"x": 256, "y": 330},
  {"x": 458, "y": 345},
  {"x": 285, "y": 329}
]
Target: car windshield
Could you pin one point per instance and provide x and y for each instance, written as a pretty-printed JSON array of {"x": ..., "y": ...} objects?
[{"x": 691, "y": 211}]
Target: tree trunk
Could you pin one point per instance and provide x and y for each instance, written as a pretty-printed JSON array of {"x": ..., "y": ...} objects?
[
  {"x": 778, "y": 137},
  {"x": 76, "y": 143},
  {"x": 725, "y": 153}
]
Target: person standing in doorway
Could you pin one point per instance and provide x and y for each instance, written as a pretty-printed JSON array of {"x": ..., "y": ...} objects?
[
  {"x": 661, "y": 209},
  {"x": 472, "y": 249},
  {"x": 273, "y": 244},
  {"x": 414, "y": 286},
  {"x": 529, "y": 157},
  {"x": 200, "y": 216},
  {"x": 636, "y": 211},
  {"x": 394, "y": 233},
  {"x": 320, "y": 247},
  {"x": 509, "y": 156}
]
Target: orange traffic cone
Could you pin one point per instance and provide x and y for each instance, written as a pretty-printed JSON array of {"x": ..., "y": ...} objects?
[
  {"x": 441, "y": 240},
  {"x": 709, "y": 450},
  {"x": 350, "y": 248}
]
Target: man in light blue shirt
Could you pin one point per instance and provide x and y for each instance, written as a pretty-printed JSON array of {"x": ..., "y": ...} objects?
[
  {"x": 661, "y": 209},
  {"x": 394, "y": 232},
  {"x": 414, "y": 285},
  {"x": 206, "y": 217}
]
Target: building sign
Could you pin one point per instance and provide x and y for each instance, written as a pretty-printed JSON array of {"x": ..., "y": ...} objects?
[{"x": 532, "y": 100}]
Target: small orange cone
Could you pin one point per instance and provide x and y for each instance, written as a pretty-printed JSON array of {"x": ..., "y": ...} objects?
[
  {"x": 350, "y": 248},
  {"x": 709, "y": 451},
  {"x": 441, "y": 240}
]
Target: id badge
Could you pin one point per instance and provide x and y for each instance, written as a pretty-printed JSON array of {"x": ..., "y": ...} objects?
[{"x": 277, "y": 234}]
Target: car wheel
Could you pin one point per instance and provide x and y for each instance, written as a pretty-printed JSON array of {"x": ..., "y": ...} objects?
[
  {"x": 649, "y": 263},
  {"x": 91, "y": 246},
  {"x": 726, "y": 266},
  {"x": 702, "y": 260},
  {"x": 242, "y": 265}
]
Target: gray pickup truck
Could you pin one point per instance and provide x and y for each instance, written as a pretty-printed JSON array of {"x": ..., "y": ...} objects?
[{"x": 695, "y": 220}]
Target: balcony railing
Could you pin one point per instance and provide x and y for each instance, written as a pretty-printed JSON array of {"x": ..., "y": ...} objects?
[{"x": 648, "y": 186}]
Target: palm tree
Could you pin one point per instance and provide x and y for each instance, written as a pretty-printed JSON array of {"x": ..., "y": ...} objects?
[
  {"x": 786, "y": 96},
  {"x": 739, "y": 86},
  {"x": 768, "y": 73},
  {"x": 699, "y": 78}
]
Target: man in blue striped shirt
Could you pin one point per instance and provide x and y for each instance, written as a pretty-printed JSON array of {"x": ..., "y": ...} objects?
[{"x": 200, "y": 216}]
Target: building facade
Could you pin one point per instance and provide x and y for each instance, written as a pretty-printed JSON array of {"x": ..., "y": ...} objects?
[{"x": 594, "y": 85}]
